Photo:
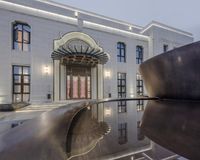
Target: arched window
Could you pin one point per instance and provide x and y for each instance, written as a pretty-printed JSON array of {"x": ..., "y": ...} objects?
[
  {"x": 139, "y": 54},
  {"x": 121, "y": 52},
  {"x": 21, "y": 36}
]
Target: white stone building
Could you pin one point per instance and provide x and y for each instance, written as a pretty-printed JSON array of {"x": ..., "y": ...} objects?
[{"x": 54, "y": 52}]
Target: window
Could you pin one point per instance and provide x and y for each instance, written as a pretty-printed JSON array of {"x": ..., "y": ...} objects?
[
  {"x": 165, "y": 48},
  {"x": 140, "y": 105},
  {"x": 121, "y": 106},
  {"x": 121, "y": 52},
  {"x": 122, "y": 133},
  {"x": 21, "y": 36},
  {"x": 139, "y": 54},
  {"x": 21, "y": 84},
  {"x": 140, "y": 92},
  {"x": 139, "y": 84},
  {"x": 121, "y": 84}
]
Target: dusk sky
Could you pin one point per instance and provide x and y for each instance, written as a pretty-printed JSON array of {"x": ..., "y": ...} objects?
[{"x": 182, "y": 14}]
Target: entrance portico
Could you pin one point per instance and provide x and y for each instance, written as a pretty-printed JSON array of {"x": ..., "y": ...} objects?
[{"x": 78, "y": 67}]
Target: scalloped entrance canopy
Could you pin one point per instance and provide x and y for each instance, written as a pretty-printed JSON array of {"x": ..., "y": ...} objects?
[{"x": 78, "y": 48}]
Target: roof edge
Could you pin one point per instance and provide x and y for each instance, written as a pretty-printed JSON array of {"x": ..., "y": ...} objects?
[{"x": 164, "y": 26}]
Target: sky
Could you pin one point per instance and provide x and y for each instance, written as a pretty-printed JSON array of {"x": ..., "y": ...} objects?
[{"x": 182, "y": 14}]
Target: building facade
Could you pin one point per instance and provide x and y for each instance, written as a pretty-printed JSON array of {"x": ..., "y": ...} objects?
[{"x": 54, "y": 52}]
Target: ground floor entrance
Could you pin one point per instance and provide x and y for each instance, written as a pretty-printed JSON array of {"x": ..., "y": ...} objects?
[
  {"x": 77, "y": 67},
  {"x": 78, "y": 82}
]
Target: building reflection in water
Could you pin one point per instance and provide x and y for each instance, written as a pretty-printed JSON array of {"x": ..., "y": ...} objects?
[
  {"x": 174, "y": 125},
  {"x": 120, "y": 139}
]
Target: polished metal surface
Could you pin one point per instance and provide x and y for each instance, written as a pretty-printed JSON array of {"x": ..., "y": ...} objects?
[
  {"x": 174, "y": 125},
  {"x": 174, "y": 74},
  {"x": 42, "y": 138}
]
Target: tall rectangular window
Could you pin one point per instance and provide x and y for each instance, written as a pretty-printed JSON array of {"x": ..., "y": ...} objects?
[
  {"x": 121, "y": 85},
  {"x": 140, "y": 92},
  {"x": 21, "y": 83},
  {"x": 139, "y": 54},
  {"x": 165, "y": 48},
  {"x": 122, "y": 133},
  {"x": 21, "y": 36},
  {"x": 139, "y": 83},
  {"x": 121, "y": 52}
]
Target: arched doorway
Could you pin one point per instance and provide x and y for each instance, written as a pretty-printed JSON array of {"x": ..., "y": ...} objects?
[{"x": 78, "y": 67}]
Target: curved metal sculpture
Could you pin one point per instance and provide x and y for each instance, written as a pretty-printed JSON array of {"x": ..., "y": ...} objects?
[
  {"x": 174, "y": 74},
  {"x": 174, "y": 125},
  {"x": 40, "y": 138}
]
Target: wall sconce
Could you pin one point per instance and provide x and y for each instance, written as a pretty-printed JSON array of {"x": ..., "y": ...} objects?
[
  {"x": 107, "y": 74},
  {"x": 76, "y": 14},
  {"x": 46, "y": 70}
]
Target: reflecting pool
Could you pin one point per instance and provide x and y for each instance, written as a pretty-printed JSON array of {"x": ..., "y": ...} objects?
[{"x": 123, "y": 129}]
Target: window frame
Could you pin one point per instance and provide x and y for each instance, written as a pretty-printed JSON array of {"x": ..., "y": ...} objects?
[
  {"x": 21, "y": 84},
  {"x": 121, "y": 84},
  {"x": 121, "y": 52},
  {"x": 139, "y": 54},
  {"x": 15, "y": 40}
]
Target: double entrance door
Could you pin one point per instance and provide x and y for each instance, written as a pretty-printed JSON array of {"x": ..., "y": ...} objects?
[{"x": 78, "y": 85}]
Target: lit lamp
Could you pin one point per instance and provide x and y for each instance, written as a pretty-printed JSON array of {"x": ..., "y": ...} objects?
[
  {"x": 130, "y": 28},
  {"x": 107, "y": 74},
  {"x": 46, "y": 70}
]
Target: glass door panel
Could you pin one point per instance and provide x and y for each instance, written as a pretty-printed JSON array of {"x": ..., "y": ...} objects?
[
  {"x": 82, "y": 87},
  {"x": 75, "y": 86},
  {"x": 68, "y": 87},
  {"x": 78, "y": 83},
  {"x": 88, "y": 87}
]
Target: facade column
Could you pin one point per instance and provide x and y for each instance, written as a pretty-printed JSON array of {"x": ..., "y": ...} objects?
[
  {"x": 62, "y": 82},
  {"x": 94, "y": 82},
  {"x": 56, "y": 80},
  {"x": 99, "y": 81}
]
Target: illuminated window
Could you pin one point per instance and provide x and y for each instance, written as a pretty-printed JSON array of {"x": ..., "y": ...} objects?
[
  {"x": 139, "y": 54},
  {"x": 21, "y": 84},
  {"x": 140, "y": 92},
  {"x": 139, "y": 83},
  {"x": 121, "y": 52},
  {"x": 122, "y": 133},
  {"x": 121, "y": 85},
  {"x": 21, "y": 36}
]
